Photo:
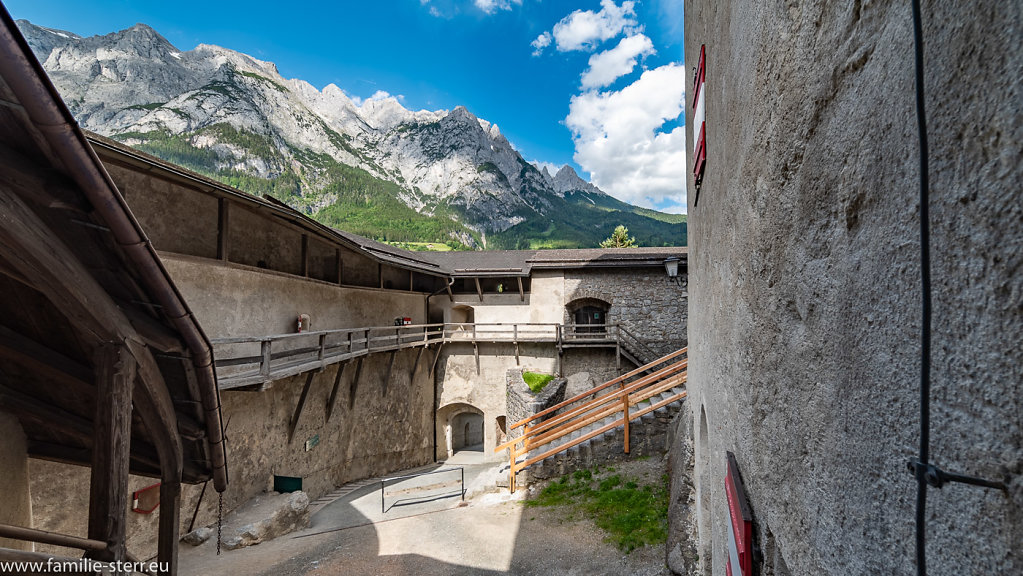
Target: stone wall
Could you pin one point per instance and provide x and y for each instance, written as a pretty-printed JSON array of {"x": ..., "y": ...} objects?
[
  {"x": 369, "y": 433},
  {"x": 643, "y": 301},
  {"x": 523, "y": 403},
  {"x": 805, "y": 282}
]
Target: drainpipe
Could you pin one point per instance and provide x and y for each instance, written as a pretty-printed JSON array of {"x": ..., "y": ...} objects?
[
  {"x": 451, "y": 282},
  {"x": 45, "y": 109}
]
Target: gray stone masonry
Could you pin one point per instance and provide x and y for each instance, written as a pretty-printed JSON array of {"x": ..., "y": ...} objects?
[
  {"x": 522, "y": 402},
  {"x": 643, "y": 301}
]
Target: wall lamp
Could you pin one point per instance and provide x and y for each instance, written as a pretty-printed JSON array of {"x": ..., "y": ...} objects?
[{"x": 671, "y": 267}]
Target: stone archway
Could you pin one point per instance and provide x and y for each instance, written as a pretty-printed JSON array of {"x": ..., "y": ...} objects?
[{"x": 461, "y": 428}]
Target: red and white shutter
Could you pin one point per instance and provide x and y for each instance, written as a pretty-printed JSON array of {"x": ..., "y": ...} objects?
[{"x": 699, "y": 120}]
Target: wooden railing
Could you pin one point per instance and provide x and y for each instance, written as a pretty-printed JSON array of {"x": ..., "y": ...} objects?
[
  {"x": 254, "y": 360},
  {"x": 584, "y": 409}
]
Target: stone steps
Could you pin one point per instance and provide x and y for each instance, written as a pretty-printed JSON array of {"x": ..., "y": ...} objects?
[{"x": 647, "y": 435}]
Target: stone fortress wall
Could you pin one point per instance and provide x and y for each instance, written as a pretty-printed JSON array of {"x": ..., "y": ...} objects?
[{"x": 805, "y": 286}]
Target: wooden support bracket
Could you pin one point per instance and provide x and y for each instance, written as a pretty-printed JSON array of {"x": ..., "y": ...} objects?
[
  {"x": 390, "y": 368},
  {"x": 478, "y": 289},
  {"x": 433, "y": 367},
  {"x": 301, "y": 404},
  {"x": 333, "y": 391},
  {"x": 415, "y": 365},
  {"x": 355, "y": 383},
  {"x": 522, "y": 293}
]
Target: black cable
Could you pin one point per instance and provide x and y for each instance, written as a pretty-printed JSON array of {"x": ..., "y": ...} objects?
[{"x": 925, "y": 285}]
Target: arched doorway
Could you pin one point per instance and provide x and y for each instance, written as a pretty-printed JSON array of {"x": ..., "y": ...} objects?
[
  {"x": 460, "y": 431},
  {"x": 467, "y": 432}
]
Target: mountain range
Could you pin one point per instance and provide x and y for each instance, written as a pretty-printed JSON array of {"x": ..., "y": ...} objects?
[{"x": 369, "y": 167}]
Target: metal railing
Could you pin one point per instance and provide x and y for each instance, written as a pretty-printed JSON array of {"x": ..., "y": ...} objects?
[
  {"x": 586, "y": 408},
  {"x": 461, "y": 489},
  {"x": 252, "y": 360}
]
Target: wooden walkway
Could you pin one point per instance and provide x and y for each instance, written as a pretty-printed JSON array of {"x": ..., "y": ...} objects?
[{"x": 254, "y": 362}]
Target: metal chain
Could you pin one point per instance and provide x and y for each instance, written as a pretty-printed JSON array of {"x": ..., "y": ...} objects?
[{"x": 220, "y": 520}]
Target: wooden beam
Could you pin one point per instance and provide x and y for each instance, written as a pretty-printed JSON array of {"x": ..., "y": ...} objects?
[
  {"x": 153, "y": 332},
  {"x": 305, "y": 255},
  {"x": 380, "y": 274},
  {"x": 301, "y": 404},
  {"x": 47, "y": 415},
  {"x": 223, "y": 229},
  {"x": 415, "y": 365},
  {"x": 36, "y": 252},
  {"x": 45, "y": 537},
  {"x": 451, "y": 295},
  {"x": 522, "y": 293},
  {"x": 340, "y": 266},
  {"x": 43, "y": 360},
  {"x": 42, "y": 186},
  {"x": 433, "y": 367},
  {"x": 478, "y": 289},
  {"x": 354, "y": 386},
  {"x": 170, "y": 519},
  {"x": 108, "y": 489},
  {"x": 390, "y": 369},
  {"x": 333, "y": 392}
]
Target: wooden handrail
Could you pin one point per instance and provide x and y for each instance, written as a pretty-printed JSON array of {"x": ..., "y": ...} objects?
[
  {"x": 595, "y": 402},
  {"x": 596, "y": 389},
  {"x": 52, "y": 538},
  {"x": 620, "y": 401}
]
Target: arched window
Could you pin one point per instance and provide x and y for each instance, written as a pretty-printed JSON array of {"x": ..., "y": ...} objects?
[{"x": 589, "y": 315}]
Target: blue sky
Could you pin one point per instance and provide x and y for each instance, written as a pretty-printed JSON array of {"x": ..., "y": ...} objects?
[{"x": 596, "y": 84}]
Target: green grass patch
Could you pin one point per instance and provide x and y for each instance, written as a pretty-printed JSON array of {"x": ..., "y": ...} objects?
[
  {"x": 632, "y": 514},
  {"x": 536, "y": 381}
]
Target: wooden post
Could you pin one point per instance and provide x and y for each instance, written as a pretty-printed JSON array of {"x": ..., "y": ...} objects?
[
  {"x": 111, "y": 452},
  {"x": 625, "y": 399},
  {"x": 522, "y": 293},
  {"x": 367, "y": 339},
  {"x": 319, "y": 354},
  {"x": 264, "y": 363},
  {"x": 340, "y": 266},
  {"x": 305, "y": 255},
  {"x": 223, "y": 221},
  {"x": 478, "y": 289},
  {"x": 170, "y": 520},
  {"x": 511, "y": 470}
]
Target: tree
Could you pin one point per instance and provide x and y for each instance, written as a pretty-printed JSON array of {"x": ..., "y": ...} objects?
[{"x": 619, "y": 239}]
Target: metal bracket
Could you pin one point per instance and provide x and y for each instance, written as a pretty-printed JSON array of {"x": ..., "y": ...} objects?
[{"x": 937, "y": 477}]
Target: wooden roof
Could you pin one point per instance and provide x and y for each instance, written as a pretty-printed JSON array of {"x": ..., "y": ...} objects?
[{"x": 78, "y": 275}]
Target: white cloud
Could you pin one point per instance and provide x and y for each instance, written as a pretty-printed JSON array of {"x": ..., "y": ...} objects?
[
  {"x": 610, "y": 65},
  {"x": 619, "y": 139},
  {"x": 542, "y": 41},
  {"x": 584, "y": 30},
  {"x": 550, "y": 166},
  {"x": 377, "y": 96},
  {"x": 492, "y": 6}
]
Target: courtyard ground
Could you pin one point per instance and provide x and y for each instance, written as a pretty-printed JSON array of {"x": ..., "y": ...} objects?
[{"x": 493, "y": 533}]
